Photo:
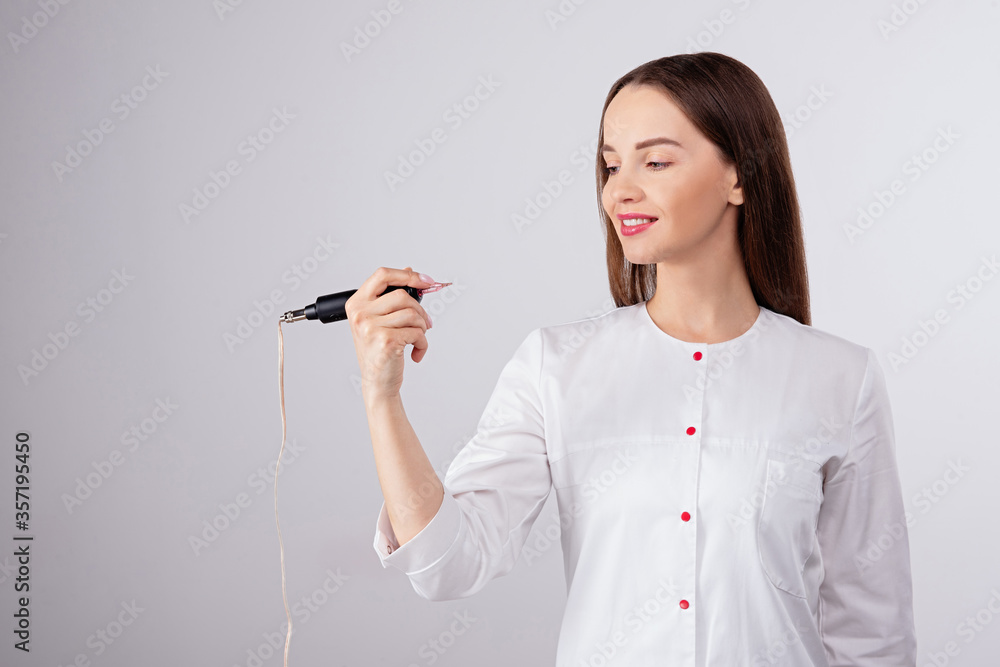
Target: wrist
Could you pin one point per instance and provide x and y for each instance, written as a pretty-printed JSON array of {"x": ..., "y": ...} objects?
[{"x": 379, "y": 401}]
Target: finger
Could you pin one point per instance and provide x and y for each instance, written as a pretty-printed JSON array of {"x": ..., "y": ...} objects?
[
  {"x": 400, "y": 318},
  {"x": 419, "y": 348},
  {"x": 384, "y": 277},
  {"x": 398, "y": 300}
]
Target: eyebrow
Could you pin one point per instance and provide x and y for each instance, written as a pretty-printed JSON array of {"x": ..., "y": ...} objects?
[{"x": 606, "y": 148}]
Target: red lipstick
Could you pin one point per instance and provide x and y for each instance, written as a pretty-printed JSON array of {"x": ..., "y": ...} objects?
[{"x": 634, "y": 229}]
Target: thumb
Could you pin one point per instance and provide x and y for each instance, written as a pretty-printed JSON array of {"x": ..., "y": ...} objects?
[{"x": 417, "y": 279}]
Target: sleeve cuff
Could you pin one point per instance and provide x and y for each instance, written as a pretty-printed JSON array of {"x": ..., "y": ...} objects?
[{"x": 426, "y": 548}]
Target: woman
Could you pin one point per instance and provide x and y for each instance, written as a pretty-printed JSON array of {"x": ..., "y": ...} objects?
[{"x": 725, "y": 473}]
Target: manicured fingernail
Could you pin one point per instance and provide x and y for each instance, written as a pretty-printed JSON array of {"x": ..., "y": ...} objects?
[
  {"x": 426, "y": 278},
  {"x": 430, "y": 322}
]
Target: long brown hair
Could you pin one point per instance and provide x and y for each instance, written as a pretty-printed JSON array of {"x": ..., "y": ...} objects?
[{"x": 730, "y": 105}]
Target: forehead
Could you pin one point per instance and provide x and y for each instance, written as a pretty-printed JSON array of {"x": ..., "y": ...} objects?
[{"x": 644, "y": 110}]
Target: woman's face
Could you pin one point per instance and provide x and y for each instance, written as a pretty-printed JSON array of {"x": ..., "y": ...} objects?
[{"x": 685, "y": 187}]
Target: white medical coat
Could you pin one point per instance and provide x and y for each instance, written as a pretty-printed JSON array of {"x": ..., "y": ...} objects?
[{"x": 724, "y": 504}]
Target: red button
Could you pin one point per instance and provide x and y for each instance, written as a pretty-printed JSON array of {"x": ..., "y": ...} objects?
[
  {"x": 690, "y": 430},
  {"x": 684, "y": 604},
  {"x": 697, "y": 356},
  {"x": 685, "y": 516}
]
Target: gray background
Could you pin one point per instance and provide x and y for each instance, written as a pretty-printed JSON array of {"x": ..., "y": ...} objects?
[{"x": 886, "y": 97}]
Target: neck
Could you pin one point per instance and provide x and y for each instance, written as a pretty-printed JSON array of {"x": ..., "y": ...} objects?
[{"x": 705, "y": 299}]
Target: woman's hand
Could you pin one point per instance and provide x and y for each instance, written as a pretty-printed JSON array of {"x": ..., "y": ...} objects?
[{"x": 383, "y": 326}]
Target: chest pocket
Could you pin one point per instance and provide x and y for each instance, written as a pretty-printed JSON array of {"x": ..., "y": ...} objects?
[{"x": 786, "y": 528}]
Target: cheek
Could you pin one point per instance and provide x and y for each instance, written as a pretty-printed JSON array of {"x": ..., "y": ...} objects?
[{"x": 699, "y": 194}]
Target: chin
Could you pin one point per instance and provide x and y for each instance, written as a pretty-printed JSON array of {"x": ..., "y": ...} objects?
[
  {"x": 652, "y": 251},
  {"x": 640, "y": 253},
  {"x": 641, "y": 258}
]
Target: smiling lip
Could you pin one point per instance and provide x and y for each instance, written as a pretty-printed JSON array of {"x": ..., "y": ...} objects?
[{"x": 635, "y": 229}]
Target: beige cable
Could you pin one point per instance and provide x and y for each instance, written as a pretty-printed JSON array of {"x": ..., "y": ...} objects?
[{"x": 281, "y": 546}]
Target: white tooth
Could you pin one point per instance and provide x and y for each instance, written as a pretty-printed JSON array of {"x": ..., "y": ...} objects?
[{"x": 637, "y": 221}]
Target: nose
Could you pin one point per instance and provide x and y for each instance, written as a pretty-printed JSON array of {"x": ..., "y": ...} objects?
[{"x": 623, "y": 187}]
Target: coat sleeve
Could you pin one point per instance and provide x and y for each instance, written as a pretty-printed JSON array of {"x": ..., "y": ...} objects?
[
  {"x": 494, "y": 490},
  {"x": 866, "y": 597}
]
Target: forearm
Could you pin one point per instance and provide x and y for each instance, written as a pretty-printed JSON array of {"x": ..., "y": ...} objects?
[{"x": 412, "y": 490}]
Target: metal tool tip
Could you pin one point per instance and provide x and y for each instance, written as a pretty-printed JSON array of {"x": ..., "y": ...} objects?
[{"x": 433, "y": 288}]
